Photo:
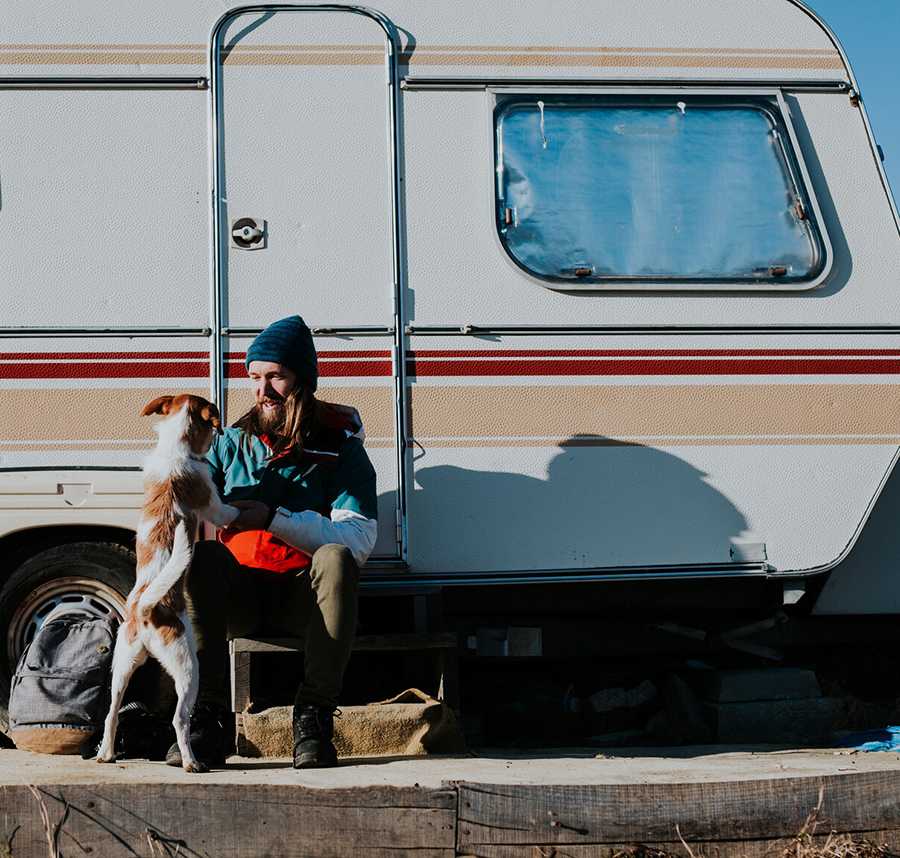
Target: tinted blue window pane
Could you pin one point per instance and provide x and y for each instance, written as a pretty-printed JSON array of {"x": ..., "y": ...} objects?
[{"x": 689, "y": 191}]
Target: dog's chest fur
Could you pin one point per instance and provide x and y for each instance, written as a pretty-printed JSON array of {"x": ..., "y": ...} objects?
[{"x": 176, "y": 483}]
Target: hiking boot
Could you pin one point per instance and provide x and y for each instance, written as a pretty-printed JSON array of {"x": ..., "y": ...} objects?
[
  {"x": 313, "y": 731},
  {"x": 208, "y": 737}
]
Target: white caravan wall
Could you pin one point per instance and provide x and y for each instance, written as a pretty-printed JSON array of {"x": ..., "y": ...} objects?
[
  {"x": 598, "y": 451},
  {"x": 104, "y": 205},
  {"x": 306, "y": 149}
]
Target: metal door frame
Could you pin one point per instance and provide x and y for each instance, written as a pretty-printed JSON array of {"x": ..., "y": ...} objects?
[{"x": 219, "y": 232}]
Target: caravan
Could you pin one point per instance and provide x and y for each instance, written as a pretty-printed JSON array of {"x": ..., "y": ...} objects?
[{"x": 613, "y": 286}]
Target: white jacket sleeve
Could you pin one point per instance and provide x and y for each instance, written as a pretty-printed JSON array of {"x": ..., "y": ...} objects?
[{"x": 308, "y": 531}]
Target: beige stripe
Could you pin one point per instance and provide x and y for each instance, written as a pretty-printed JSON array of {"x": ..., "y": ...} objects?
[
  {"x": 621, "y": 60},
  {"x": 375, "y": 406},
  {"x": 677, "y": 411},
  {"x": 342, "y": 46},
  {"x": 113, "y": 414},
  {"x": 96, "y": 46},
  {"x": 260, "y": 57},
  {"x": 513, "y": 415},
  {"x": 47, "y": 415},
  {"x": 105, "y": 58},
  {"x": 303, "y": 59},
  {"x": 627, "y": 61},
  {"x": 50, "y": 447},
  {"x": 379, "y": 49},
  {"x": 516, "y": 49}
]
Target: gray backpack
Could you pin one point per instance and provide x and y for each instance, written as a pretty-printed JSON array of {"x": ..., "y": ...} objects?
[{"x": 60, "y": 690}]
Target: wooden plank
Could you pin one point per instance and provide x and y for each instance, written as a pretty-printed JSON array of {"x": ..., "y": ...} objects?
[
  {"x": 197, "y": 821},
  {"x": 240, "y": 681},
  {"x": 386, "y": 643},
  {"x": 538, "y": 815},
  {"x": 448, "y": 685}
]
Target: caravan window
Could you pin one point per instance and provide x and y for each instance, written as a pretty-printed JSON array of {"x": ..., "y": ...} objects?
[{"x": 689, "y": 189}]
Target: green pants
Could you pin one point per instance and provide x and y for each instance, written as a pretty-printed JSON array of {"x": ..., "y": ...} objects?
[{"x": 226, "y": 600}]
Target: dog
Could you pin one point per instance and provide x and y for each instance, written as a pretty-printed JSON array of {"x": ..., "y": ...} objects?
[{"x": 178, "y": 493}]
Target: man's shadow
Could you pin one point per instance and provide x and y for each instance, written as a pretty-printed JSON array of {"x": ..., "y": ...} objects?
[{"x": 603, "y": 503}]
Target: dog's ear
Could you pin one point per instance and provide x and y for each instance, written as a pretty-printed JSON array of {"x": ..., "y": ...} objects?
[
  {"x": 160, "y": 405},
  {"x": 211, "y": 415}
]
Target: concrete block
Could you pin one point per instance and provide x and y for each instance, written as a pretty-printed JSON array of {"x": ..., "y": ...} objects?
[
  {"x": 772, "y": 683},
  {"x": 804, "y": 722}
]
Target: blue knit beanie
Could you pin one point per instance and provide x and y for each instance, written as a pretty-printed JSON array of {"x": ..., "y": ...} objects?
[{"x": 288, "y": 341}]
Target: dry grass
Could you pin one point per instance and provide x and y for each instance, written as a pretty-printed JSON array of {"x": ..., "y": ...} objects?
[
  {"x": 50, "y": 831},
  {"x": 808, "y": 842},
  {"x": 806, "y": 845}
]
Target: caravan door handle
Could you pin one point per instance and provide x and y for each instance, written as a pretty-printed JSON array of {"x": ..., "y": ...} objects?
[{"x": 248, "y": 233}]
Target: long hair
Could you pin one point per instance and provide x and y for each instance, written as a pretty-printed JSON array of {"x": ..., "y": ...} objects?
[{"x": 296, "y": 427}]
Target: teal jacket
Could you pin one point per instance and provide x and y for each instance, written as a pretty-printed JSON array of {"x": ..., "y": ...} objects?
[{"x": 333, "y": 472}]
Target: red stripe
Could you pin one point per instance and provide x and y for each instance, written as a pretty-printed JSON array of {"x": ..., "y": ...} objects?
[
  {"x": 199, "y": 369},
  {"x": 524, "y": 362},
  {"x": 29, "y": 356},
  {"x": 332, "y": 369},
  {"x": 377, "y": 353},
  {"x": 813, "y": 366},
  {"x": 188, "y": 369}
]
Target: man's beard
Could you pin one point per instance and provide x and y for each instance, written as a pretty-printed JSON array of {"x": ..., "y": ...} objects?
[{"x": 270, "y": 420}]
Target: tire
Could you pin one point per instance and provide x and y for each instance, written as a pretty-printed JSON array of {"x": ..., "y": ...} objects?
[{"x": 92, "y": 576}]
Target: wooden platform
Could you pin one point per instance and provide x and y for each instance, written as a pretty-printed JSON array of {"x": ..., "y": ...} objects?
[
  {"x": 566, "y": 804},
  {"x": 440, "y": 646}
]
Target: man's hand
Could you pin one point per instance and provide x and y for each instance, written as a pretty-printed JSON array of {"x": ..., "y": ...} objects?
[{"x": 254, "y": 515}]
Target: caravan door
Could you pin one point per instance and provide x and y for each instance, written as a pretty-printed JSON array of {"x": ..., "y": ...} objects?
[{"x": 303, "y": 129}]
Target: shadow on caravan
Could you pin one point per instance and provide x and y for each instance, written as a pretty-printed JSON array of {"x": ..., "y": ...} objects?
[{"x": 598, "y": 504}]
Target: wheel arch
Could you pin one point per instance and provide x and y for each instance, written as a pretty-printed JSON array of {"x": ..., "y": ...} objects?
[{"x": 18, "y": 545}]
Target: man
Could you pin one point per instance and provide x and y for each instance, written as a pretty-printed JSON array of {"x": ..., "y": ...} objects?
[{"x": 289, "y": 564}]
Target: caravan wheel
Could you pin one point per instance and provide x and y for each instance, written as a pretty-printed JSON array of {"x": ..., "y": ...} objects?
[{"x": 88, "y": 577}]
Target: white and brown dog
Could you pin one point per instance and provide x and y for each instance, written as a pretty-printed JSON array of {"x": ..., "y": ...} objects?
[{"x": 178, "y": 493}]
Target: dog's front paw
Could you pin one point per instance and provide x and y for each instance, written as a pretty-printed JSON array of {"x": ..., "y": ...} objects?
[
  {"x": 105, "y": 758},
  {"x": 196, "y": 767}
]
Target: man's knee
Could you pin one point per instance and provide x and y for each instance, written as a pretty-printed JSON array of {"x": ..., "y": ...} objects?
[{"x": 333, "y": 565}]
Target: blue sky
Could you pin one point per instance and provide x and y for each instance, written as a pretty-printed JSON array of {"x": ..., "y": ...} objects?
[{"x": 869, "y": 30}]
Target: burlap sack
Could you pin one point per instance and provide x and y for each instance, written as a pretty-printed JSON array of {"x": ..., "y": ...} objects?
[{"x": 410, "y": 724}]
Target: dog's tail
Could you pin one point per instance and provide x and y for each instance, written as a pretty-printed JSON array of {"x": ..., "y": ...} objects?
[{"x": 170, "y": 574}]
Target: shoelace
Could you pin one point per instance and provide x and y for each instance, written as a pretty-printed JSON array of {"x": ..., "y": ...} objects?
[{"x": 311, "y": 720}]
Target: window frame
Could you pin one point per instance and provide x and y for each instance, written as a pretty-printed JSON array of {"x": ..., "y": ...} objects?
[{"x": 770, "y": 100}]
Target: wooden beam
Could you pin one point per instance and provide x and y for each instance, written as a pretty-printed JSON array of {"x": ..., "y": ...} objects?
[
  {"x": 363, "y": 643},
  {"x": 589, "y": 816},
  {"x": 240, "y": 681},
  {"x": 207, "y": 821}
]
